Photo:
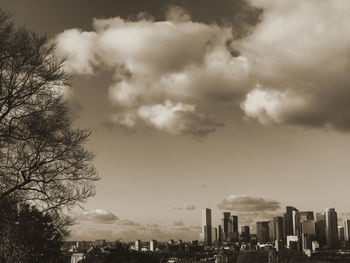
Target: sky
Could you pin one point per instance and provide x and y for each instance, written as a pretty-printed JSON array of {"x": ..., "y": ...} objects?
[{"x": 234, "y": 105}]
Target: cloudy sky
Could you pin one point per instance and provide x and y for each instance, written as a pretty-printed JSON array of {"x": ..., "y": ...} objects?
[{"x": 235, "y": 105}]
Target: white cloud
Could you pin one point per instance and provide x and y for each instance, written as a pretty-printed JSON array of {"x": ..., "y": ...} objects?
[
  {"x": 298, "y": 53},
  {"x": 78, "y": 47},
  {"x": 99, "y": 216},
  {"x": 271, "y": 106},
  {"x": 155, "y": 63},
  {"x": 177, "y": 118}
]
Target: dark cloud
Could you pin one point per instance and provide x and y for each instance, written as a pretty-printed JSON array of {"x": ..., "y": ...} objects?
[
  {"x": 246, "y": 203},
  {"x": 191, "y": 207},
  {"x": 238, "y": 13}
]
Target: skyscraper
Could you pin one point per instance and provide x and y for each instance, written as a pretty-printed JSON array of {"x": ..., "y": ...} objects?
[
  {"x": 220, "y": 233},
  {"x": 234, "y": 228},
  {"x": 347, "y": 229},
  {"x": 296, "y": 223},
  {"x": 272, "y": 236},
  {"x": 331, "y": 228},
  {"x": 321, "y": 229},
  {"x": 245, "y": 230},
  {"x": 206, "y": 226},
  {"x": 262, "y": 230},
  {"x": 225, "y": 224},
  {"x": 341, "y": 233},
  {"x": 278, "y": 224},
  {"x": 288, "y": 220}
]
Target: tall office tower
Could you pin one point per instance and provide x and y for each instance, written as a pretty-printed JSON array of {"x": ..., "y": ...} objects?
[
  {"x": 245, "y": 230},
  {"x": 307, "y": 233},
  {"x": 225, "y": 224},
  {"x": 234, "y": 228},
  {"x": 341, "y": 233},
  {"x": 321, "y": 229},
  {"x": 288, "y": 220},
  {"x": 347, "y": 230},
  {"x": 215, "y": 234},
  {"x": 272, "y": 236},
  {"x": 220, "y": 233},
  {"x": 306, "y": 215},
  {"x": 301, "y": 217},
  {"x": 331, "y": 228},
  {"x": 296, "y": 223},
  {"x": 206, "y": 226},
  {"x": 278, "y": 224},
  {"x": 262, "y": 230}
]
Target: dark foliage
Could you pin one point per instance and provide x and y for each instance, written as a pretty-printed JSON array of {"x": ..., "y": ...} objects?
[{"x": 28, "y": 235}]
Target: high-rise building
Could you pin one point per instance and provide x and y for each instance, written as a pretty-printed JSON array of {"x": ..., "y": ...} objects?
[
  {"x": 245, "y": 230},
  {"x": 331, "y": 228},
  {"x": 215, "y": 234},
  {"x": 220, "y": 233},
  {"x": 307, "y": 233},
  {"x": 347, "y": 230},
  {"x": 321, "y": 229},
  {"x": 262, "y": 231},
  {"x": 279, "y": 230},
  {"x": 341, "y": 233},
  {"x": 288, "y": 220},
  {"x": 206, "y": 226},
  {"x": 234, "y": 228},
  {"x": 296, "y": 223},
  {"x": 225, "y": 224},
  {"x": 272, "y": 235},
  {"x": 298, "y": 218}
]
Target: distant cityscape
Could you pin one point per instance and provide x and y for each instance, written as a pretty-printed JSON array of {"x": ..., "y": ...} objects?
[
  {"x": 299, "y": 230},
  {"x": 295, "y": 233}
]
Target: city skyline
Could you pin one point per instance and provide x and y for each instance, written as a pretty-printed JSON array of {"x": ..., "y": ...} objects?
[{"x": 238, "y": 106}]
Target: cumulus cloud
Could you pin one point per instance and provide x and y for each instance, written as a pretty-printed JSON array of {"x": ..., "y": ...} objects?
[
  {"x": 272, "y": 106},
  {"x": 245, "y": 203},
  {"x": 177, "y": 118},
  {"x": 165, "y": 72},
  {"x": 299, "y": 53},
  {"x": 171, "y": 75},
  {"x": 98, "y": 216}
]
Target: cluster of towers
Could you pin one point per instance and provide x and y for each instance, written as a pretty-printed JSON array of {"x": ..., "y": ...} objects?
[
  {"x": 299, "y": 229},
  {"x": 226, "y": 232}
]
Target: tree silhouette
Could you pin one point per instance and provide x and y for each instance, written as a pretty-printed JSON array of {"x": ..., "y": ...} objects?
[
  {"x": 42, "y": 157},
  {"x": 28, "y": 235}
]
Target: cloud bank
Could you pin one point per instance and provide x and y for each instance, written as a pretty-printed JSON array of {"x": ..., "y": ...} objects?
[
  {"x": 245, "y": 203},
  {"x": 98, "y": 216},
  {"x": 289, "y": 67}
]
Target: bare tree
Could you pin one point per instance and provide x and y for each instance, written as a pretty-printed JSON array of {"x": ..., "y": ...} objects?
[{"x": 42, "y": 157}]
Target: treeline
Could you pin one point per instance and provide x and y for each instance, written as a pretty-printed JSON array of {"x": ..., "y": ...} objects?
[{"x": 44, "y": 167}]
